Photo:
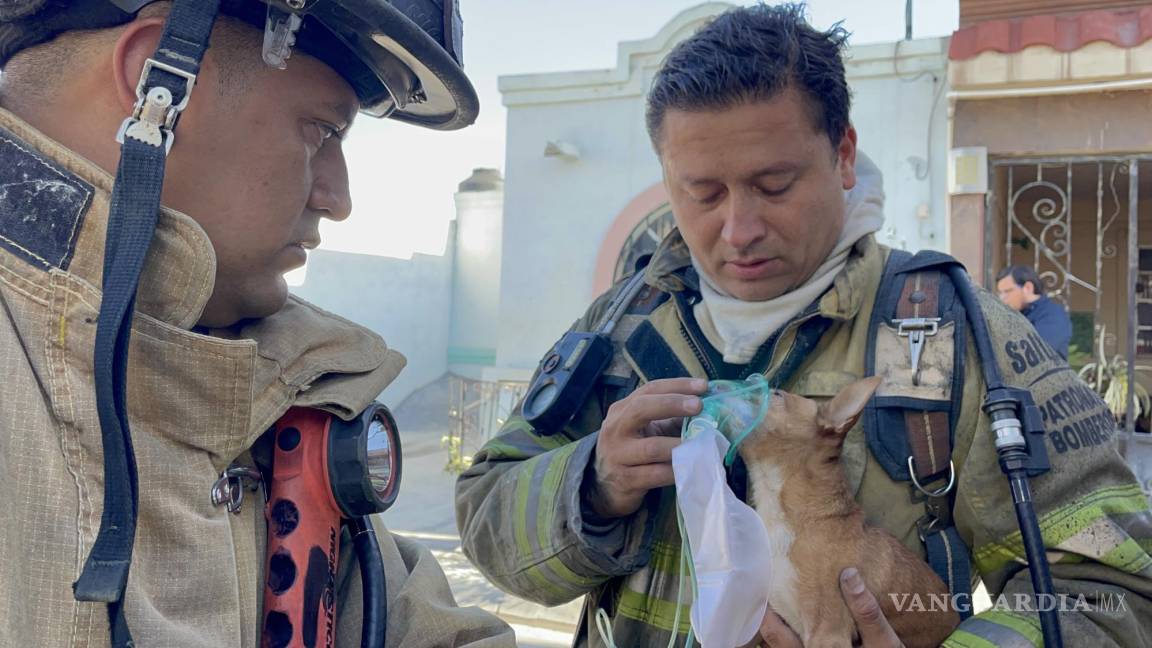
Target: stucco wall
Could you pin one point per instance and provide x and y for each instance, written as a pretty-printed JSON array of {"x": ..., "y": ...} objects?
[
  {"x": 558, "y": 211},
  {"x": 1082, "y": 124},
  {"x": 406, "y": 301},
  {"x": 476, "y": 281},
  {"x": 901, "y": 118}
]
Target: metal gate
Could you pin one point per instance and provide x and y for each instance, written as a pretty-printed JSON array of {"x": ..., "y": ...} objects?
[
  {"x": 1066, "y": 217},
  {"x": 477, "y": 410}
]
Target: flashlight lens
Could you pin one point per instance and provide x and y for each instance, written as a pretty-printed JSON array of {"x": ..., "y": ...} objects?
[{"x": 380, "y": 458}]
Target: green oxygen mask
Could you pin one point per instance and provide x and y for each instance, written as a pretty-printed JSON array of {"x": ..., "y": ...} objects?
[
  {"x": 725, "y": 549},
  {"x": 734, "y": 408}
]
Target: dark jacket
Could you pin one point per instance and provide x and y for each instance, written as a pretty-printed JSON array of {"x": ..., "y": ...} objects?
[{"x": 1052, "y": 323}]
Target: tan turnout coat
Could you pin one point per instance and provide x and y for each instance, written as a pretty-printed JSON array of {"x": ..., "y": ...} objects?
[{"x": 197, "y": 403}]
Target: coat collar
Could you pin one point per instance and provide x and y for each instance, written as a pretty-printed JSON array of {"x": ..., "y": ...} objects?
[
  {"x": 671, "y": 271},
  {"x": 216, "y": 392},
  {"x": 179, "y": 271}
]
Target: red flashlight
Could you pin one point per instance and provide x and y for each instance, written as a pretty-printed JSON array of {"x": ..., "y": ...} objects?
[{"x": 325, "y": 472}]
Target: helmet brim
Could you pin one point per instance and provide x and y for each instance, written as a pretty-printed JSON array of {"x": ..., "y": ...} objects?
[
  {"x": 402, "y": 57},
  {"x": 394, "y": 63},
  {"x": 426, "y": 81}
]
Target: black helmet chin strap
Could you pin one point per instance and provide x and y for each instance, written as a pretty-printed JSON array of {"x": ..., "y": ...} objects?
[{"x": 145, "y": 137}]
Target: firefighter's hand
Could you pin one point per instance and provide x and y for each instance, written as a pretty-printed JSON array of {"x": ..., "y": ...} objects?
[
  {"x": 634, "y": 450},
  {"x": 875, "y": 632}
]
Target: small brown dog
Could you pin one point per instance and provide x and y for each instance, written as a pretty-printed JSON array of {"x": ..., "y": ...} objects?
[{"x": 816, "y": 529}]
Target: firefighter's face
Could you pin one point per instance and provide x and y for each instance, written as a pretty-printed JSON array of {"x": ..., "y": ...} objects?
[
  {"x": 258, "y": 166},
  {"x": 757, "y": 191}
]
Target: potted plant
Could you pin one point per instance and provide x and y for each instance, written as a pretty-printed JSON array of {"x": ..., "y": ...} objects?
[{"x": 1110, "y": 380}]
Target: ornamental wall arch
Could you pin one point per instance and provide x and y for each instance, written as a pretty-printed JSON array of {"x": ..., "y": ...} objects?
[{"x": 650, "y": 204}]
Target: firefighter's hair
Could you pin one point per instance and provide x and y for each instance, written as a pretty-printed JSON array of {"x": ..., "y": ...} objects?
[
  {"x": 753, "y": 54},
  {"x": 1022, "y": 274}
]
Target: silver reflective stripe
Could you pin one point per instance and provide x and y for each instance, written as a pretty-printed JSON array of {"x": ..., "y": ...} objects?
[{"x": 1001, "y": 636}]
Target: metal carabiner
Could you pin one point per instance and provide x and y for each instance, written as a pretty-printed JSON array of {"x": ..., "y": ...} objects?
[
  {"x": 229, "y": 488},
  {"x": 917, "y": 330},
  {"x": 939, "y": 492}
]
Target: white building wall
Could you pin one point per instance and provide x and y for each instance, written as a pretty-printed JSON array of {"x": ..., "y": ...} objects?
[
  {"x": 901, "y": 117},
  {"x": 476, "y": 281},
  {"x": 406, "y": 301},
  {"x": 559, "y": 208},
  {"x": 557, "y": 212}
]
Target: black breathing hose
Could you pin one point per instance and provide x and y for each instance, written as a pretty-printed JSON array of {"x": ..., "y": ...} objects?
[
  {"x": 1004, "y": 412},
  {"x": 367, "y": 548},
  {"x": 992, "y": 378},
  {"x": 1034, "y": 546}
]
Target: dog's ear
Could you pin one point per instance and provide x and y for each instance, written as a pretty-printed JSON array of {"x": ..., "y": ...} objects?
[{"x": 837, "y": 416}]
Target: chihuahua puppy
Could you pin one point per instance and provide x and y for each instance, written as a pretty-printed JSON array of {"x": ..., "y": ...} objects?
[{"x": 797, "y": 485}]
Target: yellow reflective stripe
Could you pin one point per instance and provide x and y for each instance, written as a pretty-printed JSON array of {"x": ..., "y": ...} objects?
[
  {"x": 545, "y": 514},
  {"x": 516, "y": 429},
  {"x": 546, "y": 442},
  {"x": 1027, "y": 626},
  {"x": 996, "y": 628},
  {"x": 665, "y": 558},
  {"x": 495, "y": 449},
  {"x": 520, "y": 521},
  {"x": 1059, "y": 557},
  {"x": 652, "y": 611},
  {"x": 1063, "y": 523},
  {"x": 516, "y": 423},
  {"x": 542, "y": 579},
  {"x": 549, "y": 491},
  {"x": 965, "y": 639},
  {"x": 553, "y": 442},
  {"x": 558, "y": 567},
  {"x": 1129, "y": 556}
]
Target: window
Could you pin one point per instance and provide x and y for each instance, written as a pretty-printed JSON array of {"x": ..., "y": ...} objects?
[
  {"x": 643, "y": 240},
  {"x": 1144, "y": 303}
]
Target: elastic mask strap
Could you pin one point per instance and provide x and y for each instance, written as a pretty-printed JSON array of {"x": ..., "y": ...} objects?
[
  {"x": 765, "y": 402},
  {"x": 730, "y": 457},
  {"x": 145, "y": 137},
  {"x": 687, "y": 565}
]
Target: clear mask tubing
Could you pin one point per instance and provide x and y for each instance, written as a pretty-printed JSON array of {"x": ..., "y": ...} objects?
[{"x": 735, "y": 408}]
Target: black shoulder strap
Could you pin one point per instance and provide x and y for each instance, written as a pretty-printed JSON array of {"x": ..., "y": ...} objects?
[
  {"x": 910, "y": 429},
  {"x": 165, "y": 84},
  {"x": 634, "y": 329}
]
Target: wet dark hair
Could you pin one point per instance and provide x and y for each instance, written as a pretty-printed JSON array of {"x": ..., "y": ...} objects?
[
  {"x": 1022, "y": 274},
  {"x": 753, "y": 54}
]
